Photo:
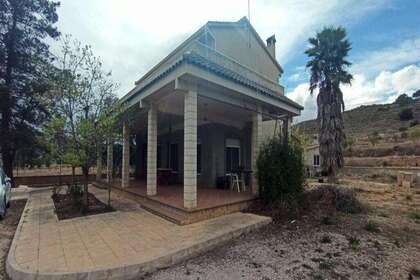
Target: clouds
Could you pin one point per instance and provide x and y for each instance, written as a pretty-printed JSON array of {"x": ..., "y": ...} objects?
[
  {"x": 384, "y": 88},
  {"x": 391, "y": 58},
  {"x": 132, "y": 36}
]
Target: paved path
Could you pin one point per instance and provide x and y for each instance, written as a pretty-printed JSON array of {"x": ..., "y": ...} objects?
[{"x": 119, "y": 245}]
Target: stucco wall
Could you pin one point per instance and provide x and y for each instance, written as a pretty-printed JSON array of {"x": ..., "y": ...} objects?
[{"x": 235, "y": 44}]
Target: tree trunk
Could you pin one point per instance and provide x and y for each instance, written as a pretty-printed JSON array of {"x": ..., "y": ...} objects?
[{"x": 85, "y": 188}]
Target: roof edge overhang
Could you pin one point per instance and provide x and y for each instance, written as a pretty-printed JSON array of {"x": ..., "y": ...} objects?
[{"x": 195, "y": 65}]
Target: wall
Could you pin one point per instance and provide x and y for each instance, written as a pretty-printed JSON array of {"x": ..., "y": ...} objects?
[{"x": 235, "y": 44}]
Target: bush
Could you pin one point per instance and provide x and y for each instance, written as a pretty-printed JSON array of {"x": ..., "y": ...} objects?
[
  {"x": 404, "y": 100},
  {"x": 343, "y": 200},
  {"x": 406, "y": 114},
  {"x": 414, "y": 123},
  {"x": 280, "y": 171}
]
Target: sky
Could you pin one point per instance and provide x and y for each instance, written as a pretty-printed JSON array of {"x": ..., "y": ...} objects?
[{"x": 133, "y": 36}]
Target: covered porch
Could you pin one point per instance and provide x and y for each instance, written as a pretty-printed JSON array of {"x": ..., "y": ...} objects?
[{"x": 191, "y": 134}]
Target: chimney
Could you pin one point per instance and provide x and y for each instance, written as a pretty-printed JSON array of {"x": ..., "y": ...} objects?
[{"x": 271, "y": 45}]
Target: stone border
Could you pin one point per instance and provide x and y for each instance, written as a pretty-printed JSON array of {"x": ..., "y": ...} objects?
[{"x": 133, "y": 271}]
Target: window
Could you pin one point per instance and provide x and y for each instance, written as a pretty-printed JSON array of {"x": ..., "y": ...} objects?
[
  {"x": 173, "y": 157},
  {"x": 233, "y": 148},
  {"x": 316, "y": 160}
]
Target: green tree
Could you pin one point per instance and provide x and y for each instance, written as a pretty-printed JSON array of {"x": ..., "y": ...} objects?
[
  {"x": 374, "y": 138},
  {"x": 85, "y": 106},
  {"x": 24, "y": 55},
  {"x": 404, "y": 100},
  {"x": 328, "y": 67},
  {"x": 414, "y": 134}
]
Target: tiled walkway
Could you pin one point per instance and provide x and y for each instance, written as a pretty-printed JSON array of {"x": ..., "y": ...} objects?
[{"x": 118, "y": 245}]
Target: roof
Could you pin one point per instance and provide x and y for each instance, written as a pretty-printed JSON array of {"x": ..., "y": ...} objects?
[
  {"x": 234, "y": 24},
  {"x": 197, "y": 60}
]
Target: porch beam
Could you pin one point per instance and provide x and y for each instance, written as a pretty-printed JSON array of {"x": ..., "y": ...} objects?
[
  {"x": 151, "y": 149},
  {"x": 125, "y": 174},
  {"x": 256, "y": 139},
  {"x": 190, "y": 149}
]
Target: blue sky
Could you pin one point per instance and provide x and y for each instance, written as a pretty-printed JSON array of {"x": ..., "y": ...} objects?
[{"x": 132, "y": 36}]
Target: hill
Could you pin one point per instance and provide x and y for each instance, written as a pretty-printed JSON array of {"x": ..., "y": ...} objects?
[{"x": 364, "y": 120}]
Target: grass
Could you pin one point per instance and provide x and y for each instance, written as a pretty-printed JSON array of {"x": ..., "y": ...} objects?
[{"x": 372, "y": 226}]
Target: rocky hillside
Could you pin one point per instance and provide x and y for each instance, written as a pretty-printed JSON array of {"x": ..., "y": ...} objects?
[{"x": 383, "y": 118}]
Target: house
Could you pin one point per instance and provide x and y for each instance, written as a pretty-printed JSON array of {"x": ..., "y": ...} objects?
[
  {"x": 198, "y": 117},
  {"x": 312, "y": 157}
]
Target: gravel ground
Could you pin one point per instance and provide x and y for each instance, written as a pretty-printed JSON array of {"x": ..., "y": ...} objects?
[
  {"x": 7, "y": 230},
  {"x": 315, "y": 248}
]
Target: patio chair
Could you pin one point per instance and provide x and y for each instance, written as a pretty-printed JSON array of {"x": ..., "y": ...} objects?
[{"x": 235, "y": 182}]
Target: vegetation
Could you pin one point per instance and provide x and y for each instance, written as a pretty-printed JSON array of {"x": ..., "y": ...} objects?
[
  {"x": 85, "y": 106},
  {"x": 24, "y": 74},
  {"x": 372, "y": 226},
  {"x": 343, "y": 200},
  {"x": 280, "y": 171},
  {"x": 404, "y": 100},
  {"x": 328, "y": 67},
  {"x": 414, "y": 134},
  {"x": 406, "y": 114},
  {"x": 374, "y": 138}
]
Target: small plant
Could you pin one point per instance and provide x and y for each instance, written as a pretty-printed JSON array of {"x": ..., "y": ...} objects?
[
  {"x": 326, "y": 239},
  {"x": 354, "y": 242},
  {"x": 326, "y": 264},
  {"x": 414, "y": 216},
  {"x": 415, "y": 272},
  {"x": 409, "y": 197},
  {"x": 371, "y": 226},
  {"x": 327, "y": 220}
]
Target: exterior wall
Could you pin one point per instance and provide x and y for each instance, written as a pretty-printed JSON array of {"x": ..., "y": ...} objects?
[
  {"x": 235, "y": 44},
  {"x": 309, "y": 156}
]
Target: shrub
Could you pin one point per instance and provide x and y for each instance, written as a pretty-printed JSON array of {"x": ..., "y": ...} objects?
[
  {"x": 371, "y": 226},
  {"x": 280, "y": 171},
  {"x": 343, "y": 200},
  {"x": 354, "y": 242},
  {"x": 414, "y": 123},
  {"x": 406, "y": 114},
  {"x": 326, "y": 239},
  {"x": 403, "y": 128},
  {"x": 404, "y": 100}
]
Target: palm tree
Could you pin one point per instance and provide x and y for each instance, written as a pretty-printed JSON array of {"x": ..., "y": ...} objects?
[{"x": 328, "y": 67}]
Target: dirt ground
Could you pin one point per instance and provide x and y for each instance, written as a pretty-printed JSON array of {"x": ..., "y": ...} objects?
[
  {"x": 382, "y": 243},
  {"x": 7, "y": 230}
]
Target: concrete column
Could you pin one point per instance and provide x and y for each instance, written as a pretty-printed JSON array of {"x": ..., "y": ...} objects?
[
  {"x": 125, "y": 176},
  {"x": 190, "y": 150},
  {"x": 99, "y": 163},
  {"x": 109, "y": 161},
  {"x": 256, "y": 138},
  {"x": 151, "y": 150}
]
